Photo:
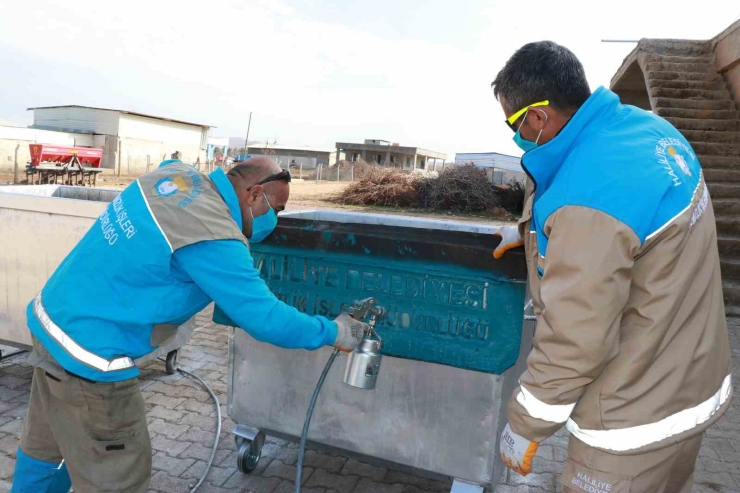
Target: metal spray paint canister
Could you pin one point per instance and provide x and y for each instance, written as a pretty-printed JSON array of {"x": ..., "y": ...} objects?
[{"x": 363, "y": 364}]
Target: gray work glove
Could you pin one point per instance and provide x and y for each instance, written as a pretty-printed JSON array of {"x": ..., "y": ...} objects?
[{"x": 349, "y": 332}]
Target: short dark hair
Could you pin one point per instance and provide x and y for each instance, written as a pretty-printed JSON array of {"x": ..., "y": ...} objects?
[{"x": 542, "y": 71}]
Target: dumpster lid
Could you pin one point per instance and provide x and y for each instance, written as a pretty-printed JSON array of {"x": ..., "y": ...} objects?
[{"x": 386, "y": 220}]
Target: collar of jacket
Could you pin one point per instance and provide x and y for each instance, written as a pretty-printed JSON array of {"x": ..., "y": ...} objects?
[
  {"x": 227, "y": 192},
  {"x": 544, "y": 162}
]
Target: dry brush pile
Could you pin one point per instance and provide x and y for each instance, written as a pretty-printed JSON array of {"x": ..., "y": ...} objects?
[
  {"x": 384, "y": 187},
  {"x": 457, "y": 188}
]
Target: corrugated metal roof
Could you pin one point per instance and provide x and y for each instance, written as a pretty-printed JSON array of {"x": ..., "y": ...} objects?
[
  {"x": 77, "y": 119},
  {"x": 121, "y": 111},
  {"x": 490, "y": 160}
]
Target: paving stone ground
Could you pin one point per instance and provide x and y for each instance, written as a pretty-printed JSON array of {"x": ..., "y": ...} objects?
[{"x": 182, "y": 426}]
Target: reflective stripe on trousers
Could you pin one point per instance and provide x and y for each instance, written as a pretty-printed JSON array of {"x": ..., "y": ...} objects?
[{"x": 75, "y": 350}]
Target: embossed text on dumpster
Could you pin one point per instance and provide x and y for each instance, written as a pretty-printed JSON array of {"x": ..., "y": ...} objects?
[{"x": 426, "y": 302}]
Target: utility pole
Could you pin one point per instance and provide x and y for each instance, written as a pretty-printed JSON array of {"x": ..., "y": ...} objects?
[{"x": 246, "y": 139}]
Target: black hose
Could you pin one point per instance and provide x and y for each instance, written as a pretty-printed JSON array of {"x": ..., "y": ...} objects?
[
  {"x": 304, "y": 435},
  {"x": 218, "y": 426}
]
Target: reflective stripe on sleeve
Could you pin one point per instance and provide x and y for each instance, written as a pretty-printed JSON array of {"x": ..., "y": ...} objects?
[
  {"x": 553, "y": 413},
  {"x": 623, "y": 439},
  {"x": 75, "y": 350}
]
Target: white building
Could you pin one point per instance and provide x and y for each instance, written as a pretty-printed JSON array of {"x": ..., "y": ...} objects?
[
  {"x": 132, "y": 142},
  {"x": 501, "y": 168}
]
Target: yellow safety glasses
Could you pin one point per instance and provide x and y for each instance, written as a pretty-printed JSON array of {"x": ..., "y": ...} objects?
[{"x": 513, "y": 118}]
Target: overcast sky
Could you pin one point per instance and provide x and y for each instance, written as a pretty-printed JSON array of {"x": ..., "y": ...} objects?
[{"x": 315, "y": 72}]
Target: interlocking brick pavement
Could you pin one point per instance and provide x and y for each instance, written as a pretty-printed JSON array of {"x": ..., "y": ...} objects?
[{"x": 182, "y": 425}]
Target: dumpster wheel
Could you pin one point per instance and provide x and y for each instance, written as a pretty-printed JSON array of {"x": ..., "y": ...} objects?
[
  {"x": 170, "y": 364},
  {"x": 249, "y": 454}
]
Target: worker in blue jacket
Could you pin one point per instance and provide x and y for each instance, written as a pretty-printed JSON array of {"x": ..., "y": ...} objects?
[
  {"x": 631, "y": 351},
  {"x": 171, "y": 243}
]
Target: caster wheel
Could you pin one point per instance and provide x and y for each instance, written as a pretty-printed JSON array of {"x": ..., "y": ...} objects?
[
  {"x": 249, "y": 455},
  {"x": 170, "y": 364}
]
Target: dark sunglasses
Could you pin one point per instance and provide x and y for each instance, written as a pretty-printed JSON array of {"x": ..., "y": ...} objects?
[{"x": 283, "y": 175}]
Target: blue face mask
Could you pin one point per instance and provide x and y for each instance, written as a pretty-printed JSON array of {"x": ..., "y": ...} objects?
[
  {"x": 524, "y": 144},
  {"x": 263, "y": 225}
]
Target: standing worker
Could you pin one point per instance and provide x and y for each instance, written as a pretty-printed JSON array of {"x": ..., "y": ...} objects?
[
  {"x": 171, "y": 242},
  {"x": 631, "y": 351}
]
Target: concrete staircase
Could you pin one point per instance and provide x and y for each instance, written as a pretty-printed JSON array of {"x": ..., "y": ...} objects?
[{"x": 686, "y": 90}]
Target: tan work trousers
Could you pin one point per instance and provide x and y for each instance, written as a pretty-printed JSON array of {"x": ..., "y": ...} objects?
[
  {"x": 668, "y": 470},
  {"x": 99, "y": 429}
]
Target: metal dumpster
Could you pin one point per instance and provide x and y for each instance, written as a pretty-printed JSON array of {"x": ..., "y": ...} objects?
[
  {"x": 452, "y": 332},
  {"x": 39, "y": 226}
]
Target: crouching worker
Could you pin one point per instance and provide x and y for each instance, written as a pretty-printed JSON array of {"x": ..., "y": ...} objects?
[{"x": 172, "y": 242}]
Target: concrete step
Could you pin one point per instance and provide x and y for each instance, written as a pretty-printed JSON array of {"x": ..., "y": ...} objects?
[
  {"x": 689, "y": 76},
  {"x": 726, "y": 206},
  {"x": 676, "y": 47},
  {"x": 711, "y": 136},
  {"x": 731, "y": 290},
  {"x": 722, "y": 175},
  {"x": 718, "y": 162},
  {"x": 694, "y": 104},
  {"x": 655, "y": 57},
  {"x": 716, "y": 149},
  {"x": 728, "y": 224},
  {"x": 703, "y": 67},
  {"x": 698, "y": 114},
  {"x": 728, "y": 190},
  {"x": 728, "y": 245},
  {"x": 705, "y": 124},
  {"x": 707, "y": 85},
  {"x": 730, "y": 268},
  {"x": 732, "y": 310},
  {"x": 696, "y": 94}
]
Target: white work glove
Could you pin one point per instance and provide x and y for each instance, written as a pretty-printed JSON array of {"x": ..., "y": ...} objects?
[
  {"x": 510, "y": 238},
  {"x": 517, "y": 452},
  {"x": 349, "y": 332}
]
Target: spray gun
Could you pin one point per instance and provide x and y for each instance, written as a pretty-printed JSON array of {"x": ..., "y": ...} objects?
[
  {"x": 363, "y": 363},
  {"x": 361, "y": 371}
]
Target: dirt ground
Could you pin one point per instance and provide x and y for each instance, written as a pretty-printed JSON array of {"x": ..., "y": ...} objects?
[{"x": 314, "y": 195}]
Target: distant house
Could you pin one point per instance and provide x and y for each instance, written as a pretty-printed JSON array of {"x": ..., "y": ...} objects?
[
  {"x": 293, "y": 156},
  {"x": 386, "y": 153},
  {"x": 132, "y": 142},
  {"x": 501, "y": 168}
]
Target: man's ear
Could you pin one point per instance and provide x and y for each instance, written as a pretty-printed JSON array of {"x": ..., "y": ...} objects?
[
  {"x": 254, "y": 194},
  {"x": 537, "y": 118}
]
